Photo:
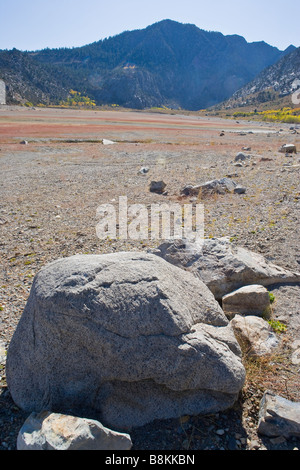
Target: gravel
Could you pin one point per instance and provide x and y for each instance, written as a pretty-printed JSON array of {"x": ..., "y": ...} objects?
[{"x": 50, "y": 190}]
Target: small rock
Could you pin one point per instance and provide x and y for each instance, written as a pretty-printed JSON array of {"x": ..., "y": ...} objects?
[
  {"x": 53, "y": 431},
  {"x": 239, "y": 189},
  {"x": 254, "y": 445},
  {"x": 143, "y": 170},
  {"x": 157, "y": 187},
  {"x": 278, "y": 416},
  {"x": 255, "y": 334},
  {"x": 24, "y": 142},
  {"x": 107, "y": 142},
  {"x": 241, "y": 156},
  {"x": 248, "y": 300},
  {"x": 288, "y": 148},
  {"x": 220, "y": 186}
]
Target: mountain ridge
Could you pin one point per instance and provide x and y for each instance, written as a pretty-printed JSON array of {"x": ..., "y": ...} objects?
[
  {"x": 165, "y": 64},
  {"x": 272, "y": 87}
]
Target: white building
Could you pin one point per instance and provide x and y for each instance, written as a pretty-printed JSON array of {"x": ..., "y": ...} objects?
[{"x": 2, "y": 92}]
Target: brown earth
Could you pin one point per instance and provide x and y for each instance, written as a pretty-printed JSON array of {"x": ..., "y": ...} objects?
[{"x": 51, "y": 188}]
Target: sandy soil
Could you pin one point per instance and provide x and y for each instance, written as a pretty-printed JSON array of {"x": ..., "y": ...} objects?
[{"x": 50, "y": 190}]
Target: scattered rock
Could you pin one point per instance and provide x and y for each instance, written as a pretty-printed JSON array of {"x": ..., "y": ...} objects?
[
  {"x": 224, "y": 267},
  {"x": 239, "y": 189},
  {"x": 278, "y": 416},
  {"x": 157, "y": 187},
  {"x": 288, "y": 148},
  {"x": 248, "y": 300},
  {"x": 255, "y": 335},
  {"x": 241, "y": 157},
  {"x": 107, "y": 142},
  {"x": 126, "y": 335},
  {"x": 143, "y": 170},
  {"x": 210, "y": 187},
  {"x": 54, "y": 431}
]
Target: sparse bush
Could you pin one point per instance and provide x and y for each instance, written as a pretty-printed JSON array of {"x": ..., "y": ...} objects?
[{"x": 277, "y": 326}]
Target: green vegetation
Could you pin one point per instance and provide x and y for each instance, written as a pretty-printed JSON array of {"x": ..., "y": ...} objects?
[
  {"x": 272, "y": 297},
  {"x": 277, "y": 326},
  {"x": 78, "y": 100},
  {"x": 287, "y": 115}
]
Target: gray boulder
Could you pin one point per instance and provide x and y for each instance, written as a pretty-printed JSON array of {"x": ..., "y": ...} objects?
[
  {"x": 54, "y": 431},
  {"x": 216, "y": 186},
  {"x": 126, "y": 335},
  {"x": 224, "y": 267},
  {"x": 278, "y": 416}
]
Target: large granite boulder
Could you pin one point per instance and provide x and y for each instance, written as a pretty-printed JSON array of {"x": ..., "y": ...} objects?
[
  {"x": 127, "y": 336},
  {"x": 224, "y": 267}
]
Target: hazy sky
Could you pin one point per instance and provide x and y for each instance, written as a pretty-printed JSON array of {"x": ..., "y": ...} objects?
[{"x": 36, "y": 24}]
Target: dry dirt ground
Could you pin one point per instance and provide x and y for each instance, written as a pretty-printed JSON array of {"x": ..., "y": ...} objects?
[{"x": 50, "y": 190}]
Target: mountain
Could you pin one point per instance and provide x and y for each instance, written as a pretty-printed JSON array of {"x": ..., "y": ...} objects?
[
  {"x": 28, "y": 80},
  {"x": 167, "y": 63},
  {"x": 272, "y": 85}
]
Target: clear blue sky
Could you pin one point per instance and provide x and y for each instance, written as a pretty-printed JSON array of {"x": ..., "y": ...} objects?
[{"x": 36, "y": 24}]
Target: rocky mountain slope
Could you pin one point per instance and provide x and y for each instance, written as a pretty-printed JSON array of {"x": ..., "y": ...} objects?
[
  {"x": 166, "y": 64},
  {"x": 28, "y": 81},
  {"x": 277, "y": 81}
]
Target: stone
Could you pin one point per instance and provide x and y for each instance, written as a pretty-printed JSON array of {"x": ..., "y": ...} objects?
[
  {"x": 157, "y": 187},
  {"x": 216, "y": 186},
  {"x": 55, "y": 431},
  {"x": 241, "y": 157},
  {"x": 278, "y": 416},
  {"x": 239, "y": 189},
  {"x": 125, "y": 335},
  {"x": 255, "y": 335},
  {"x": 288, "y": 148},
  {"x": 144, "y": 170},
  {"x": 223, "y": 266},
  {"x": 248, "y": 300}
]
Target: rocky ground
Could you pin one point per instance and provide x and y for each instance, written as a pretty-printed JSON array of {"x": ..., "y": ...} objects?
[{"x": 52, "y": 185}]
